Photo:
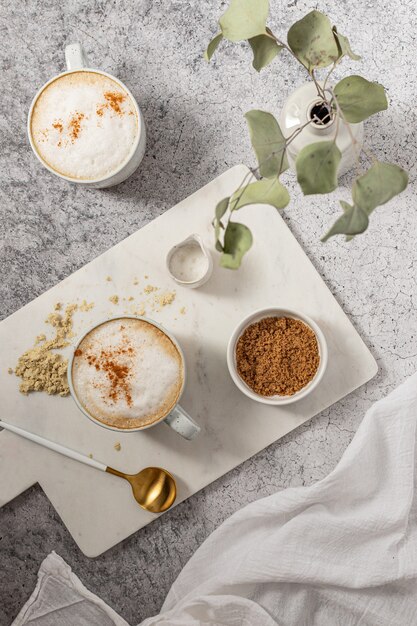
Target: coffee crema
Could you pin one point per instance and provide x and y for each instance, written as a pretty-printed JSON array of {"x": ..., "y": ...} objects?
[
  {"x": 84, "y": 125},
  {"x": 127, "y": 373}
]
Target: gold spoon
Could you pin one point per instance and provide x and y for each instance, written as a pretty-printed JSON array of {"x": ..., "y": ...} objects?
[{"x": 154, "y": 488}]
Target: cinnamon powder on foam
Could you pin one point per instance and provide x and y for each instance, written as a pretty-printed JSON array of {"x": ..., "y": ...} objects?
[
  {"x": 112, "y": 363},
  {"x": 277, "y": 356}
]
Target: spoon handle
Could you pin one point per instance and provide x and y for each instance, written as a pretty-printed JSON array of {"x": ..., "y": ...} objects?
[{"x": 56, "y": 447}]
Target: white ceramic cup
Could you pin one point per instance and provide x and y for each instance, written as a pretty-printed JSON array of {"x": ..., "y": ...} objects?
[
  {"x": 76, "y": 61},
  {"x": 256, "y": 316},
  {"x": 177, "y": 418}
]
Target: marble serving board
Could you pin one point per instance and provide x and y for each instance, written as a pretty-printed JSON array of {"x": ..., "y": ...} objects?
[{"x": 98, "y": 508}]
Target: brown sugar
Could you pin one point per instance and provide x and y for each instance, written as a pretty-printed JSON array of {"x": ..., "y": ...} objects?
[{"x": 277, "y": 356}]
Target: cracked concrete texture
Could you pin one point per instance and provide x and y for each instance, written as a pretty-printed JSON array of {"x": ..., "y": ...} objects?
[{"x": 194, "y": 113}]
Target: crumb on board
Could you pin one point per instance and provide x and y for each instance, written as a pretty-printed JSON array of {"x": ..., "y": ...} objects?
[
  {"x": 135, "y": 281},
  {"x": 182, "y": 310},
  {"x": 150, "y": 288},
  {"x": 86, "y": 306},
  {"x": 140, "y": 310},
  {"x": 10, "y": 370},
  {"x": 130, "y": 298},
  {"x": 114, "y": 299},
  {"x": 108, "y": 278},
  {"x": 58, "y": 306},
  {"x": 146, "y": 277},
  {"x": 40, "y": 338},
  {"x": 165, "y": 298},
  {"x": 90, "y": 456},
  {"x": 117, "y": 446}
]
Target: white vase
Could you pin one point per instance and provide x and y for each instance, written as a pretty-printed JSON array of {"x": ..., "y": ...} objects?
[{"x": 297, "y": 111}]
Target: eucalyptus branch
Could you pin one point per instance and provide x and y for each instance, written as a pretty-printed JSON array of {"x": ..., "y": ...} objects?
[
  {"x": 254, "y": 170},
  {"x": 329, "y": 73},
  {"x": 320, "y": 91},
  {"x": 315, "y": 44}
]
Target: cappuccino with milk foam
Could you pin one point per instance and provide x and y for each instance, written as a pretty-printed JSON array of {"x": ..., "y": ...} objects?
[
  {"x": 127, "y": 373},
  {"x": 84, "y": 125}
]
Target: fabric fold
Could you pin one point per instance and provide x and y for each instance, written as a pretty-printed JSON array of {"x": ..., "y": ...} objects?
[{"x": 342, "y": 551}]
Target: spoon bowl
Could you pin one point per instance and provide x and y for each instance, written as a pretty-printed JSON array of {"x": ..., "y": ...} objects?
[{"x": 154, "y": 488}]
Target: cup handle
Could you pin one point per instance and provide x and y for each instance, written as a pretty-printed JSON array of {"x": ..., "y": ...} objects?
[
  {"x": 75, "y": 57},
  {"x": 182, "y": 423}
]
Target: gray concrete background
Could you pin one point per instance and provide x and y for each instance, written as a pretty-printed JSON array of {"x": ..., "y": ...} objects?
[{"x": 194, "y": 113}]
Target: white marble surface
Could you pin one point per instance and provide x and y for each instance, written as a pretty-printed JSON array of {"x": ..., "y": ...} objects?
[
  {"x": 194, "y": 115},
  {"x": 98, "y": 509}
]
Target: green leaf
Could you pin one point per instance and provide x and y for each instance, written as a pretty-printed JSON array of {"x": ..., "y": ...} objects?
[
  {"x": 312, "y": 41},
  {"x": 268, "y": 142},
  {"x": 221, "y": 209},
  {"x": 378, "y": 185},
  {"x": 265, "y": 49},
  {"x": 212, "y": 47},
  {"x": 244, "y": 19},
  {"x": 317, "y": 166},
  {"x": 265, "y": 191},
  {"x": 237, "y": 241},
  {"x": 358, "y": 98},
  {"x": 344, "y": 46},
  {"x": 353, "y": 221}
]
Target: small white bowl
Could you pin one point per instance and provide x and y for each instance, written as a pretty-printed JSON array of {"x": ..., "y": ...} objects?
[{"x": 256, "y": 316}]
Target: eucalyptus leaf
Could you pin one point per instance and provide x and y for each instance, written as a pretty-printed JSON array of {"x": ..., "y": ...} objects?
[
  {"x": 268, "y": 142},
  {"x": 237, "y": 241},
  {"x": 221, "y": 209},
  {"x": 244, "y": 19},
  {"x": 353, "y": 221},
  {"x": 212, "y": 47},
  {"x": 359, "y": 98},
  {"x": 265, "y": 191},
  {"x": 344, "y": 46},
  {"x": 317, "y": 166},
  {"x": 312, "y": 41},
  {"x": 264, "y": 49},
  {"x": 378, "y": 185}
]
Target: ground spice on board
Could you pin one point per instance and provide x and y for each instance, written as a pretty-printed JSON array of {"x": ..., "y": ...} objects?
[
  {"x": 42, "y": 369},
  {"x": 277, "y": 356}
]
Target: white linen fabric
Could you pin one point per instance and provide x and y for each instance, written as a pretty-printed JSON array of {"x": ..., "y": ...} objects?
[
  {"x": 60, "y": 599},
  {"x": 343, "y": 551}
]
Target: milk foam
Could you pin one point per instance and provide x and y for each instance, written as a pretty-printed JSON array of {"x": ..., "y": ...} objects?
[
  {"x": 154, "y": 373},
  {"x": 84, "y": 125}
]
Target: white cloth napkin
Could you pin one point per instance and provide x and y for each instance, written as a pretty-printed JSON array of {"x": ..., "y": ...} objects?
[{"x": 343, "y": 551}]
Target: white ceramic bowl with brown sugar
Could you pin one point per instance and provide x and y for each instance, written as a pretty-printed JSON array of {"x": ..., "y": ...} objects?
[{"x": 257, "y": 316}]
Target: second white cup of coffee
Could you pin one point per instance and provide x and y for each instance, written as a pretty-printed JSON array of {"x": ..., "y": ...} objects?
[
  {"x": 128, "y": 374},
  {"x": 85, "y": 126}
]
